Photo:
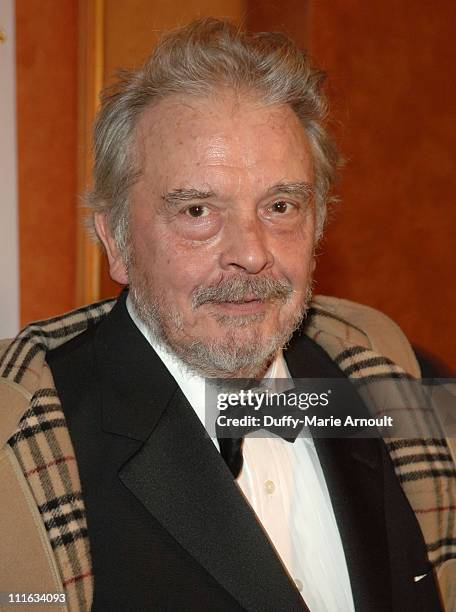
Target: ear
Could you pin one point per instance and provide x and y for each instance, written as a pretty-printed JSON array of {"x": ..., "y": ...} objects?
[{"x": 117, "y": 267}]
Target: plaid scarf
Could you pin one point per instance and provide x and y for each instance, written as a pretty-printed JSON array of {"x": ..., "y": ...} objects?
[{"x": 42, "y": 445}]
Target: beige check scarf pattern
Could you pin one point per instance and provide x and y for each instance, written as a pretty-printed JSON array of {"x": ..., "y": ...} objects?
[{"x": 43, "y": 448}]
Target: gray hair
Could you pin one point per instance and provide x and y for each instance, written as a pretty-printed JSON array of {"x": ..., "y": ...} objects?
[{"x": 197, "y": 60}]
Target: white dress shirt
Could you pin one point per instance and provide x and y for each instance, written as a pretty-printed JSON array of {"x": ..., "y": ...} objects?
[{"x": 285, "y": 485}]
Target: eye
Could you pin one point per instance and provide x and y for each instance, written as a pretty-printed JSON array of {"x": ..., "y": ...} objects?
[
  {"x": 281, "y": 207},
  {"x": 197, "y": 211}
]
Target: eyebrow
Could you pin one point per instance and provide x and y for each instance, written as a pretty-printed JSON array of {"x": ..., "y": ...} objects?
[
  {"x": 301, "y": 188},
  {"x": 184, "y": 195}
]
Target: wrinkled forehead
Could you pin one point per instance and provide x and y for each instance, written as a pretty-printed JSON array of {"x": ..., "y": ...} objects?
[{"x": 224, "y": 129}]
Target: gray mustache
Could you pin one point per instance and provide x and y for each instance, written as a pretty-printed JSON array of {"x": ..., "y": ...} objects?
[{"x": 237, "y": 288}]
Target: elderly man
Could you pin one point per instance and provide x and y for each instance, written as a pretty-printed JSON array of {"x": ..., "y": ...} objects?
[{"x": 211, "y": 179}]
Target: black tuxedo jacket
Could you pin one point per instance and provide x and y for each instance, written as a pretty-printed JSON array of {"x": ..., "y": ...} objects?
[{"x": 168, "y": 527}]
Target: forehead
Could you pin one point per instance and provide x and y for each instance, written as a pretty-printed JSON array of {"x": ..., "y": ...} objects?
[{"x": 196, "y": 138}]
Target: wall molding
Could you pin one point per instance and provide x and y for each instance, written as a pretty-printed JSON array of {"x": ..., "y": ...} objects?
[
  {"x": 90, "y": 83},
  {"x": 9, "y": 257}
]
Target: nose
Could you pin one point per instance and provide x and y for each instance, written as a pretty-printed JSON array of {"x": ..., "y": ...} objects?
[{"x": 245, "y": 247}]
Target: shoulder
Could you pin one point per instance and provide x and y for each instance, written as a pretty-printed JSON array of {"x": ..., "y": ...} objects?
[
  {"x": 75, "y": 350},
  {"x": 24, "y": 369},
  {"x": 358, "y": 325}
]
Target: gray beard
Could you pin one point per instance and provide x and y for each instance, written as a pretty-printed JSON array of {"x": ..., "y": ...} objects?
[{"x": 225, "y": 357}]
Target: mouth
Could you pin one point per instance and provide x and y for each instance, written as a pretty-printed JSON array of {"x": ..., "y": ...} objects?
[{"x": 248, "y": 305}]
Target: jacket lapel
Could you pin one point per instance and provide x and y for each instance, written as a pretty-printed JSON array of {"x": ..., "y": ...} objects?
[
  {"x": 354, "y": 476},
  {"x": 177, "y": 473}
]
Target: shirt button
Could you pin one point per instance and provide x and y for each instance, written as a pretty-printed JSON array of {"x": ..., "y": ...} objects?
[
  {"x": 269, "y": 486},
  {"x": 298, "y": 584}
]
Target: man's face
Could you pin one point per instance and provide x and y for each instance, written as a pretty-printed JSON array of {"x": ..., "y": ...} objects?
[{"x": 221, "y": 230}]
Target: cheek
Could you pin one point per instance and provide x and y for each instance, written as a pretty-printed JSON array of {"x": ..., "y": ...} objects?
[
  {"x": 294, "y": 256},
  {"x": 174, "y": 264},
  {"x": 180, "y": 272}
]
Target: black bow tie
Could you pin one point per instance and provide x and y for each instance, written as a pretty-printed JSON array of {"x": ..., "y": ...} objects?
[
  {"x": 231, "y": 451},
  {"x": 231, "y": 439}
]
